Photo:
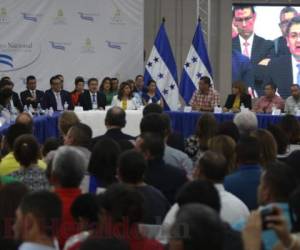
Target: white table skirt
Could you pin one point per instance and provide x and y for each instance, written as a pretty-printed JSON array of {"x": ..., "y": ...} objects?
[{"x": 96, "y": 120}]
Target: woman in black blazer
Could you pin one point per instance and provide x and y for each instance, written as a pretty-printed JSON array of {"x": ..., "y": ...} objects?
[{"x": 238, "y": 97}]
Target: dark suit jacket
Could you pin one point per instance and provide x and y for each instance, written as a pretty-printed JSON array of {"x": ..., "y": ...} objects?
[
  {"x": 115, "y": 134},
  {"x": 280, "y": 47},
  {"x": 50, "y": 101},
  {"x": 86, "y": 102},
  {"x": 39, "y": 97},
  {"x": 261, "y": 49},
  {"x": 280, "y": 72},
  {"x": 17, "y": 102},
  {"x": 245, "y": 99}
]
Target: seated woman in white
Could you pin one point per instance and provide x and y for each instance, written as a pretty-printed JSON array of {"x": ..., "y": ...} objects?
[{"x": 124, "y": 99}]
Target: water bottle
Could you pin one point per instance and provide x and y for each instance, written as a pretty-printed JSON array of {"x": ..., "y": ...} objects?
[
  {"x": 66, "y": 105},
  {"x": 38, "y": 109},
  {"x": 31, "y": 109},
  {"x": 51, "y": 111},
  {"x": 25, "y": 108},
  {"x": 13, "y": 114},
  {"x": 242, "y": 107}
]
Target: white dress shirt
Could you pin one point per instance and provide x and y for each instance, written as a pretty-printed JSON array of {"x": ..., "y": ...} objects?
[
  {"x": 59, "y": 104},
  {"x": 294, "y": 69},
  {"x": 131, "y": 105},
  {"x": 249, "y": 41}
]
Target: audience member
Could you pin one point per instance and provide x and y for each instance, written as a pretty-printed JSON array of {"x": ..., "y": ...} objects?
[
  {"x": 166, "y": 178},
  {"x": 79, "y": 89},
  {"x": 67, "y": 174},
  {"x": 246, "y": 122},
  {"x": 92, "y": 98},
  {"x": 244, "y": 182},
  {"x": 152, "y": 108},
  {"x": 125, "y": 145},
  {"x": 290, "y": 125},
  {"x": 66, "y": 120},
  {"x": 10, "y": 198},
  {"x": 27, "y": 153},
  {"x": 37, "y": 220},
  {"x": 31, "y": 96},
  {"x": 9, "y": 163},
  {"x": 103, "y": 164},
  {"x": 197, "y": 227},
  {"x": 104, "y": 244},
  {"x": 131, "y": 170},
  {"x": 224, "y": 145},
  {"x": 230, "y": 129},
  {"x": 50, "y": 144},
  {"x": 197, "y": 144},
  {"x": 268, "y": 146},
  {"x": 26, "y": 119},
  {"x": 115, "y": 121},
  {"x": 124, "y": 99},
  {"x": 205, "y": 98},
  {"x": 105, "y": 88}
]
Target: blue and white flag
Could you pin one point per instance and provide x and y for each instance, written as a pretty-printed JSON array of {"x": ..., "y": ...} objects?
[
  {"x": 161, "y": 67},
  {"x": 196, "y": 65}
]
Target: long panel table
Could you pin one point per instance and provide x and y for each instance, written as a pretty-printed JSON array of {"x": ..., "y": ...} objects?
[{"x": 185, "y": 123}]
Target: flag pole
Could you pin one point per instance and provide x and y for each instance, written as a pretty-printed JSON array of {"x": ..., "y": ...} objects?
[{"x": 163, "y": 20}]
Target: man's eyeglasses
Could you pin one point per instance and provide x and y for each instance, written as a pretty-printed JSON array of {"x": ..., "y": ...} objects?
[
  {"x": 294, "y": 35},
  {"x": 245, "y": 19}
]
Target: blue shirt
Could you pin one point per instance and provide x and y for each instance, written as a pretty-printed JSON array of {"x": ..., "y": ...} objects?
[
  {"x": 244, "y": 183},
  {"x": 269, "y": 237}
]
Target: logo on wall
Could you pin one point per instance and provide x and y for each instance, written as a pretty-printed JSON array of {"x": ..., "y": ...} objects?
[
  {"x": 3, "y": 16},
  {"x": 88, "y": 46},
  {"x": 60, "y": 18},
  {"x": 59, "y": 45},
  {"x": 18, "y": 55},
  {"x": 88, "y": 16},
  {"x": 115, "y": 45},
  {"x": 117, "y": 17},
  {"x": 31, "y": 17}
]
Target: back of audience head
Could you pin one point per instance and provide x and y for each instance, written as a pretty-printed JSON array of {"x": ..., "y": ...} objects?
[
  {"x": 293, "y": 161},
  {"x": 26, "y": 150},
  {"x": 246, "y": 122},
  {"x": 131, "y": 167},
  {"x": 212, "y": 166},
  {"x": 13, "y": 132},
  {"x": 230, "y": 129},
  {"x": 50, "y": 144},
  {"x": 26, "y": 119},
  {"x": 291, "y": 126},
  {"x": 280, "y": 137},
  {"x": 66, "y": 120},
  {"x": 104, "y": 244},
  {"x": 68, "y": 167},
  {"x": 41, "y": 212},
  {"x": 125, "y": 145},
  {"x": 199, "y": 191},
  {"x": 84, "y": 210},
  {"x": 267, "y": 144},
  {"x": 167, "y": 124},
  {"x": 277, "y": 183},
  {"x": 152, "y": 123},
  {"x": 206, "y": 128},
  {"x": 79, "y": 134},
  {"x": 103, "y": 161},
  {"x": 115, "y": 117},
  {"x": 122, "y": 203},
  {"x": 152, "y": 108},
  {"x": 197, "y": 227},
  {"x": 224, "y": 145},
  {"x": 248, "y": 150},
  {"x": 151, "y": 145}
]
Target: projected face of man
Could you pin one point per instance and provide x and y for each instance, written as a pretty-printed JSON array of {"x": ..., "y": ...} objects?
[
  {"x": 284, "y": 20},
  {"x": 293, "y": 40},
  {"x": 244, "y": 20}
]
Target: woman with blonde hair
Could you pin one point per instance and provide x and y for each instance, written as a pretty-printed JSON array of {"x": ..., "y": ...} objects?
[
  {"x": 268, "y": 146},
  {"x": 224, "y": 145}
]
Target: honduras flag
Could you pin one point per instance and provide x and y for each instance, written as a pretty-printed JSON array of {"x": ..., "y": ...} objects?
[
  {"x": 161, "y": 67},
  {"x": 196, "y": 65}
]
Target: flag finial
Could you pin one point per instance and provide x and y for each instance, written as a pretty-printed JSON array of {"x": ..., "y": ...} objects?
[
  {"x": 199, "y": 19},
  {"x": 163, "y": 19}
]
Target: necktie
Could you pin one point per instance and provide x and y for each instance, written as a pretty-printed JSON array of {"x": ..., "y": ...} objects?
[
  {"x": 246, "y": 49},
  {"x": 94, "y": 98},
  {"x": 298, "y": 74},
  {"x": 58, "y": 102}
]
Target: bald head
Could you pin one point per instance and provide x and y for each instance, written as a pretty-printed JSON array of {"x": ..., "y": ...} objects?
[
  {"x": 26, "y": 119},
  {"x": 115, "y": 117}
]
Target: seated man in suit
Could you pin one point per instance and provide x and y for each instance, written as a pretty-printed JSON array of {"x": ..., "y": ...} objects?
[
  {"x": 285, "y": 70},
  {"x": 31, "y": 96},
  {"x": 270, "y": 100},
  {"x": 256, "y": 48},
  {"x": 55, "y": 97},
  {"x": 115, "y": 120},
  {"x": 8, "y": 98},
  {"x": 238, "y": 98},
  {"x": 92, "y": 98}
]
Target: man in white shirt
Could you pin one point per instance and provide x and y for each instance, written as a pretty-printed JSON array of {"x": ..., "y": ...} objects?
[{"x": 37, "y": 219}]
